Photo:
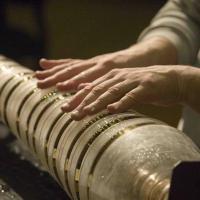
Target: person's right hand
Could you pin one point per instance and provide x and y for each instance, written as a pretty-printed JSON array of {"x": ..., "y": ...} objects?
[{"x": 69, "y": 74}]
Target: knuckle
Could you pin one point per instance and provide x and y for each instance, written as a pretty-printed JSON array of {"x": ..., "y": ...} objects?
[
  {"x": 83, "y": 75},
  {"x": 48, "y": 70},
  {"x": 68, "y": 70},
  {"x": 122, "y": 76},
  {"x": 88, "y": 88},
  {"x": 148, "y": 79},
  {"x": 76, "y": 79},
  {"x": 96, "y": 90},
  {"x": 84, "y": 103},
  {"x": 58, "y": 74},
  {"x": 58, "y": 67},
  {"x": 130, "y": 96},
  {"x": 114, "y": 90},
  {"x": 113, "y": 72},
  {"x": 98, "y": 101},
  {"x": 108, "y": 63},
  {"x": 46, "y": 73},
  {"x": 55, "y": 76}
]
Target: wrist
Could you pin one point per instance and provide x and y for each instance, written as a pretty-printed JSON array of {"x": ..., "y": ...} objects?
[{"x": 155, "y": 51}]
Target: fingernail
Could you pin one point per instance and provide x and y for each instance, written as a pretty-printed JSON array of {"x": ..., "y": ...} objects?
[
  {"x": 92, "y": 109},
  {"x": 67, "y": 83},
  {"x": 59, "y": 84},
  {"x": 65, "y": 106},
  {"x": 43, "y": 59},
  {"x": 39, "y": 86},
  {"x": 111, "y": 108},
  {"x": 75, "y": 113},
  {"x": 80, "y": 87},
  {"x": 89, "y": 109},
  {"x": 85, "y": 109},
  {"x": 40, "y": 82}
]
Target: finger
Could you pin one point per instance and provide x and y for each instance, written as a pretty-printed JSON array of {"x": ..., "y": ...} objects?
[
  {"x": 82, "y": 85},
  {"x": 46, "y": 64},
  {"x": 76, "y": 99},
  {"x": 111, "y": 95},
  {"x": 63, "y": 75},
  {"x": 97, "y": 81},
  {"x": 87, "y": 95},
  {"x": 104, "y": 78},
  {"x": 131, "y": 99},
  {"x": 97, "y": 91},
  {"x": 49, "y": 72},
  {"x": 77, "y": 115},
  {"x": 84, "y": 77}
]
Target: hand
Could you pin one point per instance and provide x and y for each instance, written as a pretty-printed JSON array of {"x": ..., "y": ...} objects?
[
  {"x": 122, "y": 89},
  {"x": 68, "y": 74}
]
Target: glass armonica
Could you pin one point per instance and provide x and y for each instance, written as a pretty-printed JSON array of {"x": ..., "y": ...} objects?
[{"x": 106, "y": 156}]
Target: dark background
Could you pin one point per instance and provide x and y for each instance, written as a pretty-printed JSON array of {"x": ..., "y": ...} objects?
[{"x": 71, "y": 28}]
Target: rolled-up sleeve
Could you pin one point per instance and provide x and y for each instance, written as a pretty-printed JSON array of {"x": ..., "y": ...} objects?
[{"x": 179, "y": 22}]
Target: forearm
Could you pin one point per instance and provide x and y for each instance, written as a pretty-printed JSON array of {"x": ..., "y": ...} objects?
[{"x": 155, "y": 51}]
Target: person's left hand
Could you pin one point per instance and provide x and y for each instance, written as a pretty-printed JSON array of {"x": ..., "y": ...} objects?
[{"x": 122, "y": 89}]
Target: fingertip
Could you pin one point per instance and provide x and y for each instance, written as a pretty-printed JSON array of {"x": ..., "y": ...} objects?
[
  {"x": 66, "y": 107},
  {"x": 66, "y": 86},
  {"x": 82, "y": 85},
  {"x": 112, "y": 108},
  {"x": 38, "y": 74},
  {"x": 86, "y": 110},
  {"x": 46, "y": 64},
  {"x": 43, "y": 59},
  {"x": 41, "y": 85},
  {"x": 63, "y": 109},
  {"x": 90, "y": 110},
  {"x": 61, "y": 86},
  {"x": 77, "y": 115}
]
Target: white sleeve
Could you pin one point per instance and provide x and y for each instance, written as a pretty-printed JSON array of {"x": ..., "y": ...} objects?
[{"x": 178, "y": 21}]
